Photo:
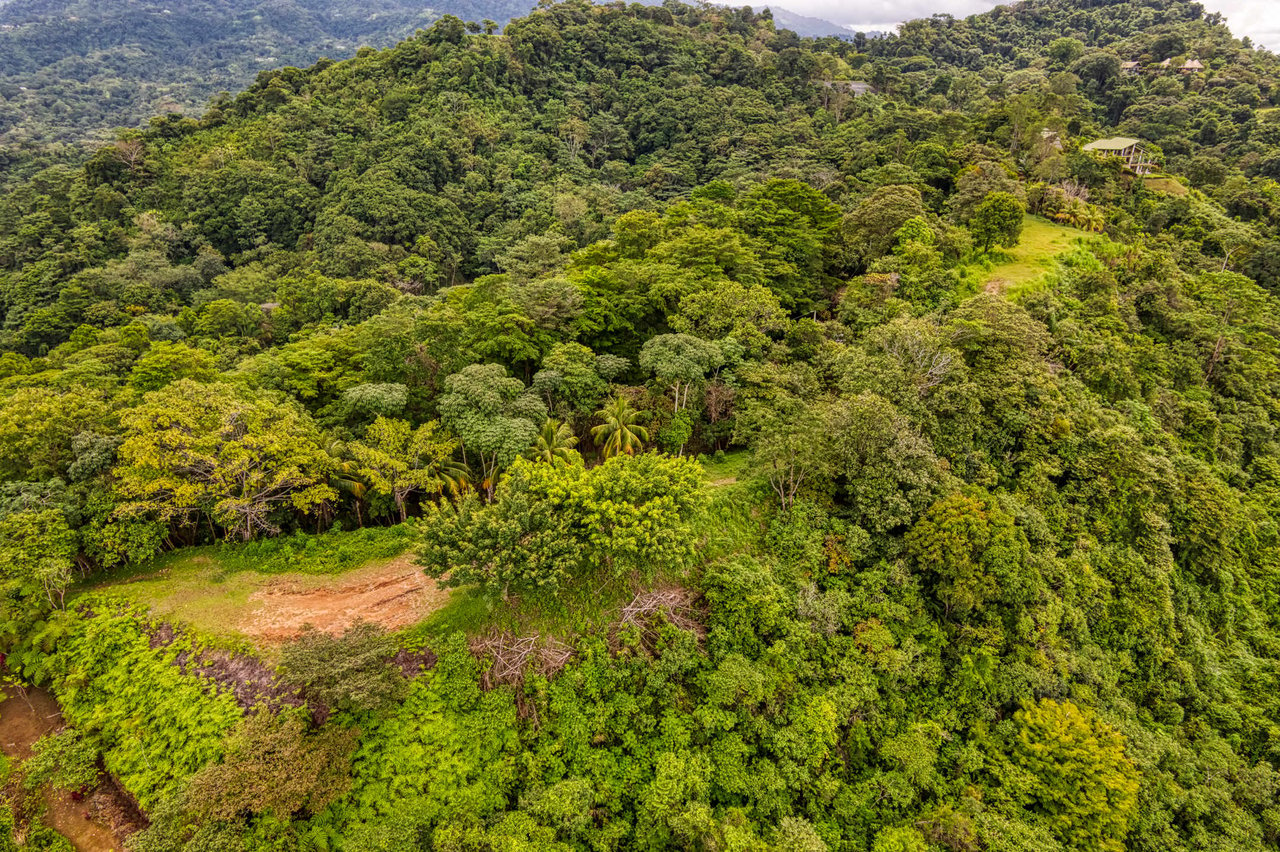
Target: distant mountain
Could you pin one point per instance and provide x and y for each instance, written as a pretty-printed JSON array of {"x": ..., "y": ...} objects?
[
  {"x": 804, "y": 25},
  {"x": 71, "y": 71},
  {"x": 74, "y": 69}
]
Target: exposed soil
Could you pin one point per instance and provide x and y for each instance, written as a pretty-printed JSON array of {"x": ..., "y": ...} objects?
[
  {"x": 96, "y": 822},
  {"x": 393, "y": 594}
]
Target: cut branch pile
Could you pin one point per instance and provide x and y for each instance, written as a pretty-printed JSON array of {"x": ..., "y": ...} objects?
[
  {"x": 513, "y": 656},
  {"x": 676, "y": 605}
]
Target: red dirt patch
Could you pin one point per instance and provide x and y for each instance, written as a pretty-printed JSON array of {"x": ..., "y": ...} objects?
[
  {"x": 96, "y": 822},
  {"x": 393, "y": 594}
]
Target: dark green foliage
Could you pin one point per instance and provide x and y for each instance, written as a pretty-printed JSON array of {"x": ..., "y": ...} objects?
[
  {"x": 985, "y": 567},
  {"x": 272, "y": 765},
  {"x": 997, "y": 221},
  {"x": 350, "y": 673}
]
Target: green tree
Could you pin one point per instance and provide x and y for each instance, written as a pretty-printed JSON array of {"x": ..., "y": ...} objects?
[
  {"x": 972, "y": 551},
  {"x": 555, "y": 443},
  {"x": 353, "y": 672},
  {"x": 37, "y": 548},
  {"x": 1081, "y": 778},
  {"x": 399, "y": 461},
  {"x": 493, "y": 414},
  {"x": 223, "y": 451},
  {"x": 272, "y": 765},
  {"x": 619, "y": 432},
  {"x": 549, "y": 525},
  {"x": 680, "y": 361},
  {"x": 998, "y": 221}
]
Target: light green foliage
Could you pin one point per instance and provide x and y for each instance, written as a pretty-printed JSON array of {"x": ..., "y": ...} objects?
[
  {"x": 154, "y": 725},
  {"x": 64, "y": 759},
  {"x": 165, "y": 363},
  {"x": 399, "y": 461},
  {"x": 550, "y": 525},
  {"x": 903, "y": 839},
  {"x": 36, "y": 549},
  {"x": 619, "y": 432},
  {"x": 447, "y": 752},
  {"x": 1080, "y": 776},
  {"x": 555, "y": 444},
  {"x": 222, "y": 451},
  {"x": 37, "y": 425},
  {"x": 973, "y": 552}
]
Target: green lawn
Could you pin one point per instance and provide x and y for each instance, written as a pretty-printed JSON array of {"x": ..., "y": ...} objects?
[
  {"x": 729, "y": 468},
  {"x": 194, "y": 588},
  {"x": 1041, "y": 242}
]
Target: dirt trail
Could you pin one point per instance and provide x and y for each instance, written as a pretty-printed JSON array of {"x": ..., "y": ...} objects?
[
  {"x": 84, "y": 822},
  {"x": 393, "y": 594}
]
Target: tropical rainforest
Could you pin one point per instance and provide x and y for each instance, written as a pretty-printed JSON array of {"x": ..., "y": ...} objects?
[
  {"x": 71, "y": 71},
  {"x": 813, "y": 446}
]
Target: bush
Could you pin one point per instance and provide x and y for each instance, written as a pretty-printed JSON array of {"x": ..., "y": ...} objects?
[
  {"x": 64, "y": 759},
  {"x": 349, "y": 673},
  {"x": 329, "y": 553}
]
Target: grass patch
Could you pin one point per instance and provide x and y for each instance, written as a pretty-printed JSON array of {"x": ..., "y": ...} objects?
[
  {"x": 329, "y": 553},
  {"x": 726, "y": 468},
  {"x": 1163, "y": 183},
  {"x": 580, "y": 608},
  {"x": 1041, "y": 242}
]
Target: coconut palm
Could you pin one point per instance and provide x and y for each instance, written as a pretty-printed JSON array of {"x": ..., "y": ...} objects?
[
  {"x": 555, "y": 443},
  {"x": 346, "y": 477},
  {"x": 619, "y": 431}
]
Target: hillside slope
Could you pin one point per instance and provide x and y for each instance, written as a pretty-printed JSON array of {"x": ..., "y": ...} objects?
[
  {"x": 75, "y": 69},
  {"x": 985, "y": 552}
]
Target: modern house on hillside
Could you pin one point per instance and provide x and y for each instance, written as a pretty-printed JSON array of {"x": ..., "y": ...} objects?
[{"x": 1132, "y": 151}]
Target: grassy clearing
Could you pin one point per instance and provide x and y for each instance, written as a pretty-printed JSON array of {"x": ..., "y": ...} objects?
[
  {"x": 219, "y": 591},
  {"x": 211, "y": 589},
  {"x": 1041, "y": 242},
  {"x": 728, "y": 468},
  {"x": 1163, "y": 183}
]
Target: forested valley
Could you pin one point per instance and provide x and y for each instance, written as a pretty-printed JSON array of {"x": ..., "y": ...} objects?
[{"x": 643, "y": 428}]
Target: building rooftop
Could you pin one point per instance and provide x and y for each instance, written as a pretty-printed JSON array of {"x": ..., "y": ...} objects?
[{"x": 1118, "y": 143}]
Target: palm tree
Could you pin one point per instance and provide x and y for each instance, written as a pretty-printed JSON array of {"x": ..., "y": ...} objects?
[
  {"x": 619, "y": 432},
  {"x": 450, "y": 475},
  {"x": 555, "y": 442},
  {"x": 346, "y": 477}
]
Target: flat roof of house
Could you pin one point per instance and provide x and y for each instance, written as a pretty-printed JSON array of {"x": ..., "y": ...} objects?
[{"x": 1119, "y": 143}]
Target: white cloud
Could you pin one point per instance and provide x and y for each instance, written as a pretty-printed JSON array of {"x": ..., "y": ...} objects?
[{"x": 1258, "y": 19}]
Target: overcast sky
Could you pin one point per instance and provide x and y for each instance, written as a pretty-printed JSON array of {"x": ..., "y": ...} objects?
[{"x": 1258, "y": 19}]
